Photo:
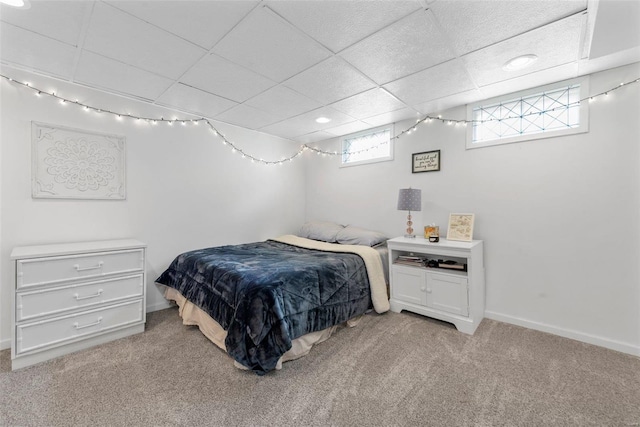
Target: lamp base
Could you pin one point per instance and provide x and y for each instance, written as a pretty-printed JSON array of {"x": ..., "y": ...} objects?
[{"x": 409, "y": 230}]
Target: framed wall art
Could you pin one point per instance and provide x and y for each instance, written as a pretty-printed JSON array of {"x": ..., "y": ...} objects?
[
  {"x": 460, "y": 227},
  {"x": 76, "y": 164},
  {"x": 428, "y": 161}
]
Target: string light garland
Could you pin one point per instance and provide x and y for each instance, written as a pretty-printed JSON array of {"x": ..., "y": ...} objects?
[{"x": 304, "y": 147}]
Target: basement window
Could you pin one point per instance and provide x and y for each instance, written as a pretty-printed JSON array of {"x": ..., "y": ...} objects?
[
  {"x": 370, "y": 146},
  {"x": 549, "y": 111}
]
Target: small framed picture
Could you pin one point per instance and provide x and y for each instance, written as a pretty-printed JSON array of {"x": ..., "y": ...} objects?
[
  {"x": 428, "y": 161},
  {"x": 460, "y": 227}
]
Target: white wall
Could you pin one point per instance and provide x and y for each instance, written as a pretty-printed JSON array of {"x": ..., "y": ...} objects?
[
  {"x": 559, "y": 216},
  {"x": 185, "y": 189}
]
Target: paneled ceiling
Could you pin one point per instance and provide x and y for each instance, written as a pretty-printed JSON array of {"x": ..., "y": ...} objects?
[{"x": 276, "y": 66}]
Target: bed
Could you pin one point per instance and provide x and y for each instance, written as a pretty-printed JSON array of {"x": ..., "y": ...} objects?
[{"x": 268, "y": 302}]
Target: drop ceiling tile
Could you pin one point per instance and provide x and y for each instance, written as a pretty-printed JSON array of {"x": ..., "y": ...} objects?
[
  {"x": 36, "y": 52},
  {"x": 405, "y": 47},
  {"x": 223, "y": 78},
  {"x": 59, "y": 20},
  {"x": 208, "y": 21},
  {"x": 313, "y": 137},
  {"x": 306, "y": 123},
  {"x": 472, "y": 24},
  {"x": 527, "y": 81},
  {"x": 186, "y": 98},
  {"x": 485, "y": 65},
  {"x": 118, "y": 35},
  {"x": 105, "y": 73},
  {"x": 370, "y": 103},
  {"x": 435, "y": 82},
  {"x": 282, "y": 102},
  {"x": 447, "y": 102},
  {"x": 339, "y": 24},
  {"x": 266, "y": 44},
  {"x": 330, "y": 81},
  {"x": 248, "y": 117},
  {"x": 392, "y": 117},
  {"x": 348, "y": 128}
]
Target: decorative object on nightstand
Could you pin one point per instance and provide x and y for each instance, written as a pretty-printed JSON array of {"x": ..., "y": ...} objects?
[
  {"x": 409, "y": 199},
  {"x": 460, "y": 227},
  {"x": 432, "y": 233}
]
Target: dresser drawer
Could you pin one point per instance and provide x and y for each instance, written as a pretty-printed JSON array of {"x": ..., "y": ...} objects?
[
  {"x": 51, "y": 270},
  {"x": 45, "y": 302},
  {"x": 59, "y": 330}
]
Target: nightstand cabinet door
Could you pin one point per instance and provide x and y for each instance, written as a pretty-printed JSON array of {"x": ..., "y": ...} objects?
[
  {"x": 409, "y": 285},
  {"x": 447, "y": 292}
]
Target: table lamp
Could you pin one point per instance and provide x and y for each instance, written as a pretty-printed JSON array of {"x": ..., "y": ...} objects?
[{"x": 409, "y": 199}]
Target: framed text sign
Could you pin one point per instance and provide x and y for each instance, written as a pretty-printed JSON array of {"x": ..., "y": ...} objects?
[{"x": 428, "y": 161}]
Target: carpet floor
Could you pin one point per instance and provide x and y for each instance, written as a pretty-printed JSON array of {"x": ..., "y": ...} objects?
[{"x": 391, "y": 370}]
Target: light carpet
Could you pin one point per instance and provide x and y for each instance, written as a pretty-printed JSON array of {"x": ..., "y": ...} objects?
[{"x": 391, "y": 370}]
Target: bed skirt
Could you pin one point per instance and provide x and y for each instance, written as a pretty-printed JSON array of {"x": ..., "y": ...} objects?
[{"x": 193, "y": 315}]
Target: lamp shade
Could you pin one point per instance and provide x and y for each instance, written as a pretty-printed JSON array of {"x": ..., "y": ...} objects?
[{"x": 409, "y": 199}]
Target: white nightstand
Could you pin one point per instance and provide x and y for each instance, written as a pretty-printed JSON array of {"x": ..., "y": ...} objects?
[{"x": 455, "y": 296}]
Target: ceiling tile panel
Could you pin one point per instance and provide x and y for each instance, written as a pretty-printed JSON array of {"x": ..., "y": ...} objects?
[
  {"x": 226, "y": 79},
  {"x": 98, "y": 71},
  {"x": 485, "y": 65},
  {"x": 330, "y": 81},
  {"x": 266, "y": 44},
  {"x": 190, "y": 99},
  {"x": 447, "y": 102},
  {"x": 36, "y": 52},
  {"x": 282, "y": 102},
  {"x": 348, "y": 128},
  {"x": 435, "y": 82},
  {"x": 391, "y": 117},
  {"x": 313, "y": 137},
  {"x": 118, "y": 35},
  {"x": 248, "y": 117},
  {"x": 473, "y": 24},
  {"x": 409, "y": 45},
  {"x": 338, "y": 25},
  {"x": 369, "y": 103},
  {"x": 306, "y": 123},
  {"x": 208, "y": 21},
  {"x": 59, "y": 20}
]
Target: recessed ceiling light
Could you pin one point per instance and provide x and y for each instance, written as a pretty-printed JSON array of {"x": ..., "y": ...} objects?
[
  {"x": 323, "y": 120},
  {"x": 520, "y": 62},
  {"x": 21, "y": 4}
]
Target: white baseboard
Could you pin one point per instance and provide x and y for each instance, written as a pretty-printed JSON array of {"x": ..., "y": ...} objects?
[
  {"x": 158, "y": 306},
  {"x": 632, "y": 349},
  {"x": 5, "y": 344}
]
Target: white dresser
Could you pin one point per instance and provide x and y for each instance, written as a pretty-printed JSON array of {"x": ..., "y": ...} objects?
[{"x": 72, "y": 296}]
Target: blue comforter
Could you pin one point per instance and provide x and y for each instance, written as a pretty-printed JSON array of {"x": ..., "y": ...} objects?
[{"x": 266, "y": 294}]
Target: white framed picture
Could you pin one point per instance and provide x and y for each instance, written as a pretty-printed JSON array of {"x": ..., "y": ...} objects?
[
  {"x": 76, "y": 164},
  {"x": 460, "y": 227}
]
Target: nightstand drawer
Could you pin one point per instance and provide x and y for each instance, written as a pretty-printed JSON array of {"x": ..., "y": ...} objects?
[
  {"x": 59, "y": 330},
  {"x": 51, "y": 270},
  {"x": 46, "y": 302}
]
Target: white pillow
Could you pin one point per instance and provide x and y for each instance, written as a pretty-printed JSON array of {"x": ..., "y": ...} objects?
[
  {"x": 351, "y": 235},
  {"x": 320, "y": 230}
]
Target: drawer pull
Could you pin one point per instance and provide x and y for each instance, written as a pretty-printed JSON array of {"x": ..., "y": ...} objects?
[
  {"x": 78, "y": 268},
  {"x": 79, "y": 298},
  {"x": 97, "y": 322}
]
